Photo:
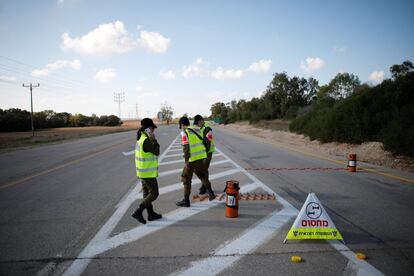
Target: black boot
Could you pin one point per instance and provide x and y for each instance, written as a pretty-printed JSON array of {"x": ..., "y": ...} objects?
[
  {"x": 185, "y": 202},
  {"x": 203, "y": 190},
  {"x": 211, "y": 195},
  {"x": 151, "y": 214},
  {"x": 138, "y": 214}
]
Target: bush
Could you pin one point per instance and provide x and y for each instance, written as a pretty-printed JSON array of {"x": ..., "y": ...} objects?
[
  {"x": 382, "y": 113},
  {"x": 19, "y": 120}
]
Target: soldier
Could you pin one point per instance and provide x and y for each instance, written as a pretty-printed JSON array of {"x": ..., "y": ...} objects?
[
  {"x": 207, "y": 132},
  {"x": 194, "y": 155},
  {"x": 146, "y": 151}
]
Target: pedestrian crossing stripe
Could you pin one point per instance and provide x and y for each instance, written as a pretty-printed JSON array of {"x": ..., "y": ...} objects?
[{"x": 313, "y": 222}]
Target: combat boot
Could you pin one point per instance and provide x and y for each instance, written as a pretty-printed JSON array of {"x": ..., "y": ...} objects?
[
  {"x": 138, "y": 214},
  {"x": 151, "y": 214},
  {"x": 203, "y": 190},
  {"x": 185, "y": 202},
  {"x": 211, "y": 195}
]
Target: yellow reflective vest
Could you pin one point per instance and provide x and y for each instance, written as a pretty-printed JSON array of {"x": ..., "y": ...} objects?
[
  {"x": 197, "y": 148},
  {"x": 146, "y": 163},
  {"x": 212, "y": 145}
]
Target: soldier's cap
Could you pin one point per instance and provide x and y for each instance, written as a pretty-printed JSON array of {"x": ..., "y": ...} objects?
[
  {"x": 183, "y": 121},
  {"x": 147, "y": 122},
  {"x": 198, "y": 118}
]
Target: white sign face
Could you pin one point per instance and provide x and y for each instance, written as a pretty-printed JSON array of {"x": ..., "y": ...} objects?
[{"x": 313, "y": 222}]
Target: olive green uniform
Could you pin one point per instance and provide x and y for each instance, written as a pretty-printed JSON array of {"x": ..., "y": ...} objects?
[{"x": 198, "y": 167}]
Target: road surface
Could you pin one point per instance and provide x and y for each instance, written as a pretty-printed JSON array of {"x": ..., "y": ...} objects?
[{"x": 65, "y": 209}]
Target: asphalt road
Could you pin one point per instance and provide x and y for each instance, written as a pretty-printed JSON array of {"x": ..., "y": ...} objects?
[{"x": 65, "y": 209}]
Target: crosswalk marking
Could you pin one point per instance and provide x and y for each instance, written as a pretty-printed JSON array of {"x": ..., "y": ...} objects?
[{"x": 222, "y": 257}]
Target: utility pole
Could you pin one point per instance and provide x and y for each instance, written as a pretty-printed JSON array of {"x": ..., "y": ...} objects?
[
  {"x": 119, "y": 98},
  {"x": 31, "y": 86},
  {"x": 136, "y": 111}
]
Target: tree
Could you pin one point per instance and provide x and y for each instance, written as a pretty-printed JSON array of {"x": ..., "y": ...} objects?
[
  {"x": 399, "y": 70},
  {"x": 219, "y": 112},
  {"x": 167, "y": 112},
  {"x": 343, "y": 85}
]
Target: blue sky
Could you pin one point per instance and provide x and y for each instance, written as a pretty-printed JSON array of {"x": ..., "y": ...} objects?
[{"x": 188, "y": 54}]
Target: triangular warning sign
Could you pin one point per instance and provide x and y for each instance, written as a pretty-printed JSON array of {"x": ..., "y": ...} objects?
[{"x": 313, "y": 222}]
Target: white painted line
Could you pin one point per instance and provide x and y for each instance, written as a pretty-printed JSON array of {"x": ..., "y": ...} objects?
[
  {"x": 84, "y": 258},
  {"x": 161, "y": 174},
  {"x": 174, "y": 155},
  {"x": 167, "y": 220},
  {"x": 173, "y": 150},
  {"x": 230, "y": 252},
  {"x": 79, "y": 265},
  {"x": 363, "y": 267},
  {"x": 179, "y": 160},
  {"x": 128, "y": 153},
  {"x": 247, "y": 242}
]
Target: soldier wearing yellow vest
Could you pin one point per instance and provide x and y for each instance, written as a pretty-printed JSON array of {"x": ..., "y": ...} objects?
[
  {"x": 147, "y": 150},
  {"x": 195, "y": 153},
  {"x": 207, "y": 132}
]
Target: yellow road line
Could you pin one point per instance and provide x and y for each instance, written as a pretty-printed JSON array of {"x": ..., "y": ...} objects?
[
  {"x": 21, "y": 180},
  {"x": 390, "y": 175}
]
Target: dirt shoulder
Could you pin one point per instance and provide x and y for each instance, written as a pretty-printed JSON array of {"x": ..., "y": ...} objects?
[
  {"x": 371, "y": 152},
  {"x": 17, "y": 140}
]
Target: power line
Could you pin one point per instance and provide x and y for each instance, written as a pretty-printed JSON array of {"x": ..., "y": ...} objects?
[
  {"x": 119, "y": 98},
  {"x": 62, "y": 78},
  {"x": 31, "y": 86},
  {"x": 26, "y": 73}
]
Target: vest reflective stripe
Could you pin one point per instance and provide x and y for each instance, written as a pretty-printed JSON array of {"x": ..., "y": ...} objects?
[
  {"x": 213, "y": 144},
  {"x": 197, "y": 148},
  {"x": 197, "y": 145},
  {"x": 147, "y": 170},
  {"x": 146, "y": 159},
  {"x": 146, "y": 163}
]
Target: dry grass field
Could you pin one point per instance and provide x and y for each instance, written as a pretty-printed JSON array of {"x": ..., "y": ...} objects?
[{"x": 12, "y": 140}]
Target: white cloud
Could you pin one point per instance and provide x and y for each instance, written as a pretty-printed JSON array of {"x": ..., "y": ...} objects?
[
  {"x": 338, "y": 49},
  {"x": 261, "y": 66},
  {"x": 376, "y": 77},
  {"x": 40, "y": 72},
  {"x": 8, "y": 78},
  {"x": 60, "y": 2},
  {"x": 113, "y": 38},
  {"x": 169, "y": 75},
  {"x": 59, "y": 64},
  {"x": 139, "y": 88},
  {"x": 196, "y": 69},
  {"x": 105, "y": 75},
  {"x": 154, "y": 42},
  {"x": 222, "y": 74},
  {"x": 312, "y": 64}
]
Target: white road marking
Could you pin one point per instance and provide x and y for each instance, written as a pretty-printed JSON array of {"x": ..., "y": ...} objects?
[
  {"x": 181, "y": 160},
  {"x": 167, "y": 220},
  {"x": 79, "y": 265},
  {"x": 174, "y": 155},
  {"x": 85, "y": 257},
  {"x": 230, "y": 252},
  {"x": 127, "y": 153},
  {"x": 171, "y": 150},
  {"x": 363, "y": 267},
  {"x": 161, "y": 174}
]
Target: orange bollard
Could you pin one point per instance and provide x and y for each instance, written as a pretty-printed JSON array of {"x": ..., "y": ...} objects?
[
  {"x": 352, "y": 162},
  {"x": 232, "y": 198}
]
